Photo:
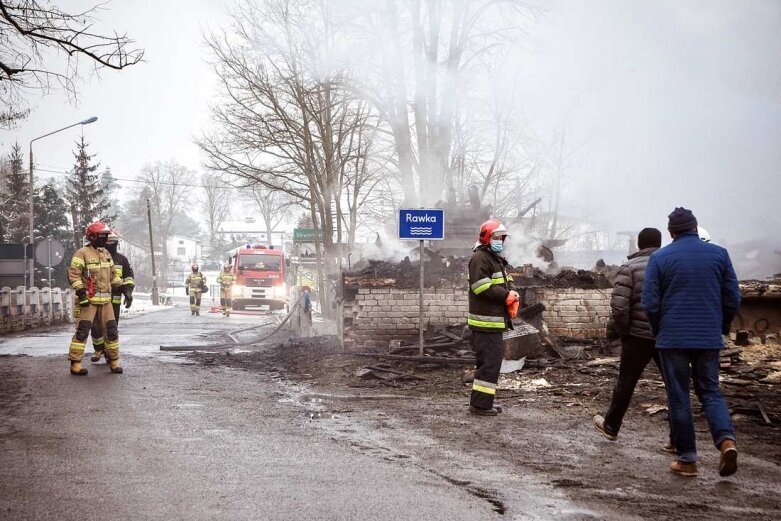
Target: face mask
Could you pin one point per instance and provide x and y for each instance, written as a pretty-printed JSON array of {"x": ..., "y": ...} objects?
[
  {"x": 497, "y": 245},
  {"x": 112, "y": 247},
  {"x": 100, "y": 241}
]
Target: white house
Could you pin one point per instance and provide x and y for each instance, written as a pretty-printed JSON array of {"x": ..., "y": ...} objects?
[{"x": 183, "y": 250}]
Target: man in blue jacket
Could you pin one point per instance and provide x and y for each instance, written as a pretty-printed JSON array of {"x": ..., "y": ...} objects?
[{"x": 691, "y": 295}]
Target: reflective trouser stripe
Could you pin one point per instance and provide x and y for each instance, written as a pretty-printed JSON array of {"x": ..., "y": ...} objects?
[
  {"x": 116, "y": 300},
  {"x": 77, "y": 346},
  {"x": 112, "y": 349},
  {"x": 98, "y": 342},
  {"x": 484, "y": 387}
]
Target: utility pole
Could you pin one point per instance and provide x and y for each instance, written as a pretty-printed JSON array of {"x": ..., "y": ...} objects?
[
  {"x": 31, "y": 266},
  {"x": 155, "y": 295}
]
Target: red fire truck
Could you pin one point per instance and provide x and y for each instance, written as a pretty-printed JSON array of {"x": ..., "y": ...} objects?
[{"x": 260, "y": 276}]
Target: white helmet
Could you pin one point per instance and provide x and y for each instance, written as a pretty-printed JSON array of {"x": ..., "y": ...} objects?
[{"x": 703, "y": 233}]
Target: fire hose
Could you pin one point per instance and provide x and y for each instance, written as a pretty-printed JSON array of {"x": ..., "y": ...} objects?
[{"x": 235, "y": 342}]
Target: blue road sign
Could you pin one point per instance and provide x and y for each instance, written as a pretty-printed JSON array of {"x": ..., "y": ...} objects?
[{"x": 422, "y": 224}]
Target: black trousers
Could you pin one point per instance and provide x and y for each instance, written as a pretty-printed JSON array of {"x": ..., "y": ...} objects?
[
  {"x": 488, "y": 355},
  {"x": 636, "y": 352}
]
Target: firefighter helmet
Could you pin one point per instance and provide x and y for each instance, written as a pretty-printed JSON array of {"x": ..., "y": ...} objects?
[
  {"x": 489, "y": 228},
  {"x": 703, "y": 233},
  {"x": 195, "y": 267},
  {"x": 95, "y": 229},
  {"x": 227, "y": 267},
  {"x": 113, "y": 237}
]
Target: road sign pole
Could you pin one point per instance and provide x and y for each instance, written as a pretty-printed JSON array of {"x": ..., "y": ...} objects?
[
  {"x": 420, "y": 328},
  {"x": 49, "y": 263}
]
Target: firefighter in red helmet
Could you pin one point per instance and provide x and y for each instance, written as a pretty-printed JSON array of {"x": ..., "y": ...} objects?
[
  {"x": 123, "y": 269},
  {"x": 92, "y": 277},
  {"x": 492, "y": 299}
]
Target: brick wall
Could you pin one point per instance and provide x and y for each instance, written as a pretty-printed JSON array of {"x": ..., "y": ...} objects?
[
  {"x": 575, "y": 312},
  {"x": 373, "y": 316}
]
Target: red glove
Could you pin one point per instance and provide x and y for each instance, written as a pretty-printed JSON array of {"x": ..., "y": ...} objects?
[{"x": 513, "y": 303}]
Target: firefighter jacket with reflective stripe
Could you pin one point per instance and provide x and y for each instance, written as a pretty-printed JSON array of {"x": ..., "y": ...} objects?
[
  {"x": 125, "y": 272},
  {"x": 226, "y": 280},
  {"x": 93, "y": 270},
  {"x": 196, "y": 282},
  {"x": 489, "y": 285}
]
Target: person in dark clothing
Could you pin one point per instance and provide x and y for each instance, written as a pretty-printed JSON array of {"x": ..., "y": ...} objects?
[
  {"x": 691, "y": 295},
  {"x": 491, "y": 293},
  {"x": 630, "y": 323}
]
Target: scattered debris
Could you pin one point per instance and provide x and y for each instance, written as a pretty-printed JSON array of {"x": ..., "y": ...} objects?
[
  {"x": 655, "y": 409},
  {"x": 512, "y": 366}
]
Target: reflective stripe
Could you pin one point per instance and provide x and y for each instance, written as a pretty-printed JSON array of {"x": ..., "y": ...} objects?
[
  {"x": 97, "y": 341},
  {"x": 498, "y": 275},
  {"x": 118, "y": 270},
  {"x": 78, "y": 262},
  {"x": 78, "y": 346},
  {"x": 482, "y": 287},
  {"x": 510, "y": 278},
  {"x": 98, "y": 265},
  {"x": 129, "y": 281},
  {"x": 483, "y": 389},
  {"x": 490, "y": 385},
  {"x": 116, "y": 281},
  {"x": 486, "y": 321},
  {"x": 116, "y": 300},
  {"x": 77, "y": 284},
  {"x": 498, "y": 281},
  {"x": 479, "y": 283}
]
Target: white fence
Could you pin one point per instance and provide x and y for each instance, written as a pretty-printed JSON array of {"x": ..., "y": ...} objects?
[{"x": 23, "y": 308}]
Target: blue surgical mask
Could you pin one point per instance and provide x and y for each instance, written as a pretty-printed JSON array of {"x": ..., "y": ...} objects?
[{"x": 497, "y": 245}]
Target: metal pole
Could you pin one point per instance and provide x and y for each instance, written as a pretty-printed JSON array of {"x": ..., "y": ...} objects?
[
  {"x": 49, "y": 261},
  {"x": 155, "y": 296},
  {"x": 31, "y": 261},
  {"x": 420, "y": 328}
]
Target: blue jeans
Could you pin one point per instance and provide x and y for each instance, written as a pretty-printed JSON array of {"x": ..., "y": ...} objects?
[{"x": 703, "y": 366}]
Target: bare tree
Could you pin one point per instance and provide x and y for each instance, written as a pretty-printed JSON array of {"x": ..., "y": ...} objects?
[
  {"x": 215, "y": 203},
  {"x": 288, "y": 121},
  {"x": 31, "y": 31},
  {"x": 166, "y": 183},
  {"x": 274, "y": 207},
  {"x": 418, "y": 76}
]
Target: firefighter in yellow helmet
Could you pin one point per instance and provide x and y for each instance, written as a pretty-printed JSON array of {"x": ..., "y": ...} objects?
[
  {"x": 194, "y": 286},
  {"x": 92, "y": 277},
  {"x": 226, "y": 279}
]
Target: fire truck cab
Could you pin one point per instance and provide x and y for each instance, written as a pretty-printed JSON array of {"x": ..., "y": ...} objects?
[{"x": 260, "y": 276}]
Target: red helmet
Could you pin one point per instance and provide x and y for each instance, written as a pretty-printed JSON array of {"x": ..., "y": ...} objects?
[
  {"x": 490, "y": 227},
  {"x": 113, "y": 237},
  {"x": 95, "y": 229}
]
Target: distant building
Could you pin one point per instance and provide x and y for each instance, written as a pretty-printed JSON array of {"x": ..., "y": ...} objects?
[
  {"x": 183, "y": 250},
  {"x": 249, "y": 231}
]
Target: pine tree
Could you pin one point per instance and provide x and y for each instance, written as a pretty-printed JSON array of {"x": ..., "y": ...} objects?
[
  {"x": 110, "y": 188},
  {"x": 51, "y": 221},
  {"x": 84, "y": 190},
  {"x": 16, "y": 198}
]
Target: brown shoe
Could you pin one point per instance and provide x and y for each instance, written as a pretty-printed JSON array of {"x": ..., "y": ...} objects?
[
  {"x": 599, "y": 424},
  {"x": 680, "y": 468},
  {"x": 728, "y": 464}
]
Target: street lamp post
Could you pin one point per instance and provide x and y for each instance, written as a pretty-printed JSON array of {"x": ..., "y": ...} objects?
[{"x": 31, "y": 266}]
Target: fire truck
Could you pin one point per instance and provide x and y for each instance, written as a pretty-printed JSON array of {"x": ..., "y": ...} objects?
[{"x": 260, "y": 276}]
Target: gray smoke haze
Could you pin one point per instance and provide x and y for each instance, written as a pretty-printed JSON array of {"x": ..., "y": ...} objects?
[{"x": 666, "y": 103}]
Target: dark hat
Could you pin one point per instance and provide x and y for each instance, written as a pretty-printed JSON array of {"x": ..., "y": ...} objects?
[
  {"x": 681, "y": 220},
  {"x": 649, "y": 238}
]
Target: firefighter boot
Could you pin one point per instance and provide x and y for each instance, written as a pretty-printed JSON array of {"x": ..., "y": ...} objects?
[
  {"x": 115, "y": 367},
  {"x": 96, "y": 356},
  {"x": 77, "y": 369}
]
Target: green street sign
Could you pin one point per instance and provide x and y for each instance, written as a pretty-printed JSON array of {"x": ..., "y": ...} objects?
[{"x": 307, "y": 234}]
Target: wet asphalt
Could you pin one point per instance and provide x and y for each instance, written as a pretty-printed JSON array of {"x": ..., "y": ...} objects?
[{"x": 172, "y": 440}]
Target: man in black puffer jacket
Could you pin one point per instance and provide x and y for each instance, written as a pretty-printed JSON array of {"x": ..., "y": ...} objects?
[{"x": 631, "y": 324}]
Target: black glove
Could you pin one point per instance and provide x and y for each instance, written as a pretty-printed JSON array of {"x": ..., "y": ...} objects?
[
  {"x": 128, "y": 300},
  {"x": 205, "y": 289},
  {"x": 81, "y": 294},
  {"x": 187, "y": 290}
]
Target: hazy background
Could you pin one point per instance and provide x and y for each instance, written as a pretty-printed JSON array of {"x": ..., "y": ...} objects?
[{"x": 669, "y": 103}]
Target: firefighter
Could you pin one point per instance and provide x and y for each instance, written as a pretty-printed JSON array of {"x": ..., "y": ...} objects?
[
  {"x": 125, "y": 272},
  {"x": 194, "y": 286},
  {"x": 492, "y": 300},
  {"x": 226, "y": 280},
  {"x": 92, "y": 276}
]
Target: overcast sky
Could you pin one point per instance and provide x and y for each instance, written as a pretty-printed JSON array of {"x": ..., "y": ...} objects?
[{"x": 675, "y": 103}]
